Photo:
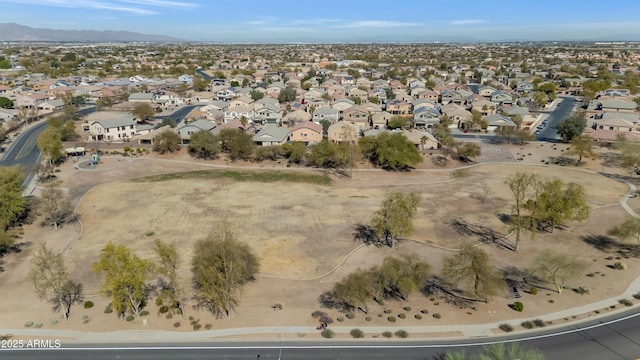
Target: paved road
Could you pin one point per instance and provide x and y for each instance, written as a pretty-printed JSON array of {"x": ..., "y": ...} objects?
[
  {"x": 24, "y": 152},
  {"x": 179, "y": 114},
  {"x": 561, "y": 112},
  {"x": 616, "y": 337}
]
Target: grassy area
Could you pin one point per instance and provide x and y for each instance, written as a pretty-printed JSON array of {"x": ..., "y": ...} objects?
[{"x": 257, "y": 176}]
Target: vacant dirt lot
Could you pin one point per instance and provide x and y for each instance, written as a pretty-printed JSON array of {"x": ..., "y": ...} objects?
[{"x": 302, "y": 234}]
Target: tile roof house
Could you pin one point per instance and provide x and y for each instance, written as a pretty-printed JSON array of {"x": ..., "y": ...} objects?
[
  {"x": 271, "y": 134},
  {"x": 307, "y": 132},
  {"x": 111, "y": 126},
  {"x": 186, "y": 130}
]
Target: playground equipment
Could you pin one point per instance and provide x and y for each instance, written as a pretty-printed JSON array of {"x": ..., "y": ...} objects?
[{"x": 94, "y": 159}]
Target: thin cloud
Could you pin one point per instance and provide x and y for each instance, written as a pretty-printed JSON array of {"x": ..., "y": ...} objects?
[
  {"x": 376, "y": 24},
  {"x": 139, "y": 7},
  {"x": 467, "y": 22},
  {"x": 161, "y": 3}
]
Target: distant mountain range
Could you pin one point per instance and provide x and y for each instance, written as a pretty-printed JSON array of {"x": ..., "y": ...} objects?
[{"x": 16, "y": 32}]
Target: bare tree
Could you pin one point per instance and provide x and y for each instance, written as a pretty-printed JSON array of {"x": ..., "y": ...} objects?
[
  {"x": 52, "y": 280},
  {"x": 557, "y": 268},
  {"x": 55, "y": 207}
]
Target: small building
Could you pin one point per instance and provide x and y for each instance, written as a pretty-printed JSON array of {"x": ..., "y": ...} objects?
[{"x": 111, "y": 126}]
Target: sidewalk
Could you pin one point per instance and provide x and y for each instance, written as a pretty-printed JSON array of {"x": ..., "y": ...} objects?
[{"x": 292, "y": 333}]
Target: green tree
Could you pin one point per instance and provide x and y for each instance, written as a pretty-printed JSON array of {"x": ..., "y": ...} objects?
[
  {"x": 329, "y": 155},
  {"x": 237, "y": 143},
  {"x": 13, "y": 206},
  {"x": 397, "y": 278},
  {"x": 50, "y": 144},
  {"x": 355, "y": 290},
  {"x": 5, "y": 103},
  {"x": 143, "y": 111},
  {"x": 203, "y": 144},
  {"x": 499, "y": 351},
  {"x": 391, "y": 151},
  {"x": 68, "y": 131},
  {"x": 5, "y": 64},
  {"x": 397, "y": 122},
  {"x": 165, "y": 122},
  {"x": 295, "y": 152},
  {"x": 288, "y": 94},
  {"x": 325, "y": 125},
  {"x": 477, "y": 121},
  {"x": 166, "y": 141},
  {"x": 582, "y": 146},
  {"x": 522, "y": 186},
  {"x": 169, "y": 259},
  {"x": 256, "y": 94},
  {"x": 556, "y": 203},
  {"x": 53, "y": 282},
  {"x": 467, "y": 151},
  {"x": 472, "y": 265},
  {"x": 557, "y": 268},
  {"x": 630, "y": 154},
  {"x": 199, "y": 84},
  {"x": 395, "y": 218},
  {"x": 221, "y": 266},
  {"x": 540, "y": 98},
  {"x": 442, "y": 133},
  {"x": 573, "y": 126},
  {"x": 125, "y": 278},
  {"x": 628, "y": 229}
]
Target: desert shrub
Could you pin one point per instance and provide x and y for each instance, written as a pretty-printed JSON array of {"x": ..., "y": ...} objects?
[
  {"x": 418, "y": 317},
  {"x": 138, "y": 151},
  {"x": 38, "y": 325},
  {"x": 144, "y": 313},
  {"x": 517, "y": 306},
  {"x": 402, "y": 334},
  {"x": 527, "y": 325},
  {"x": 130, "y": 317},
  {"x": 88, "y": 304},
  {"x": 53, "y": 322},
  {"x": 380, "y": 301},
  {"x": 191, "y": 318},
  {"x": 175, "y": 304},
  {"x": 551, "y": 301},
  {"x": 387, "y": 334},
  {"x": 583, "y": 290},
  {"x": 636, "y": 296},
  {"x": 176, "y": 324},
  {"x": 625, "y": 302},
  {"x": 350, "y": 315},
  {"x": 158, "y": 300},
  {"x": 402, "y": 316},
  {"x": 436, "y": 316},
  {"x": 327, "y": 333},
  {"x": 108, "y": 310},
  {"x": 424, "y": 311},
  {"x": 619, "y": 265},
  {"x": 533, "y": 291},
  {"x": 169, "y": 316},
  {"x": 539, "y": 323},
  {"x": 85, "y": 317},
  {"x": 506, "y": 327},
  {"x": 591, "y": 274},
  {"x": 391, "y": 319},
  {"x": 28, "y": 324},
  {"x": 436, "y": 303},
  {"x": 387, "y": 311},
  {"x": 340, "y": 319},
  {"x": 367, "y": 318},
  {"x": 407, "y": 308},
  {"x": 163, "y": 309},
  {"x": 127, "y": 149},
  {"x": 357, "y": 333},
  {"x": 196, "y": 326},
  {"x": 208, "y": 326},
  {"x": 322, "y": 316}
]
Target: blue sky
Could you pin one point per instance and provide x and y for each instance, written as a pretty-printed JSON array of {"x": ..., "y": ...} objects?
[{"x": 337, "y": 21}]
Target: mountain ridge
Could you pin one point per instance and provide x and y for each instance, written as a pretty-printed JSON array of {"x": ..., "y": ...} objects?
[{"x": 17, "y": 32}]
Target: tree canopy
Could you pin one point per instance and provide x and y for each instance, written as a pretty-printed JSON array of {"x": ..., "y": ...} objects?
[
  {"x": 391, "y": 151},
  {"x": 143, "y": 111},
  {"x": 5, "y": 103},
  {"x": 50, "y": 144},
  {"x": 125, "y": 278},
  {"x": 221, "y": 266},
  {"x": 203, "y": 144},
  {"x": 573, "y": 126},
  {"x": 395, "y": 218},
  {"x": 237, "y": 143},
  {"x": 471, "y": 265},
  {"x": 557, "y": 268},
  {"x": 166, "y": 142},
  {"x": 582, "y": 146}
]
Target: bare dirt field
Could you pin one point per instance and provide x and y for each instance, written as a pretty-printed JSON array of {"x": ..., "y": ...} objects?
[{"x": 303, "y": 234}]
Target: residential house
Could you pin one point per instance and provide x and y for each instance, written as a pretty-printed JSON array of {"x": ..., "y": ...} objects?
[
  {"x": 380, "y": 120},
  {"x": 31, "y": 101},
  {"x": 618, "y": 105},
  {"x": 398, "y": 107},
  {"x": 371, "y": 108},
  {"x": 614, "y": 124},
  {"x": 527, "y": 119},
  {"x": 457, "y": 113},
  {"x": 525, "y": 87},
  {"x": 326, "y": 113},
  {"x": 486, "y": 91},
  {"x": 306, "y": 132},
  {"x": 296, "y": 117},
  {"x": 239, "y": 112},
  {"x": 483, "y": 106},
  {"x": 425, "y": 117},
  {"x": 497, "y": 121},
  {"x": 502, "y": 98},
  {"x": 186, "y": 79},
  {"x": 343, "y": 131},
  {"x": 186, "y": 130},
  {"x": 268, "y": 114},
  {"x": 141, "y": 97},
  {"x": 242, "y": 101},
  {"x": 363, "y": 82},
  {"x": 51, "y": 105},
  {"x": 423, "y": 140},
  {"x": 357, "y": 115},
  {"x": 271, "y": 134},
  {"x": 359, "y": 94},
  {"x": 343, "y": 104},
  {"x": 111, "y": 126},
  {"x": 226, "y": 94},
  {"x": 336, "y": 91}
]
